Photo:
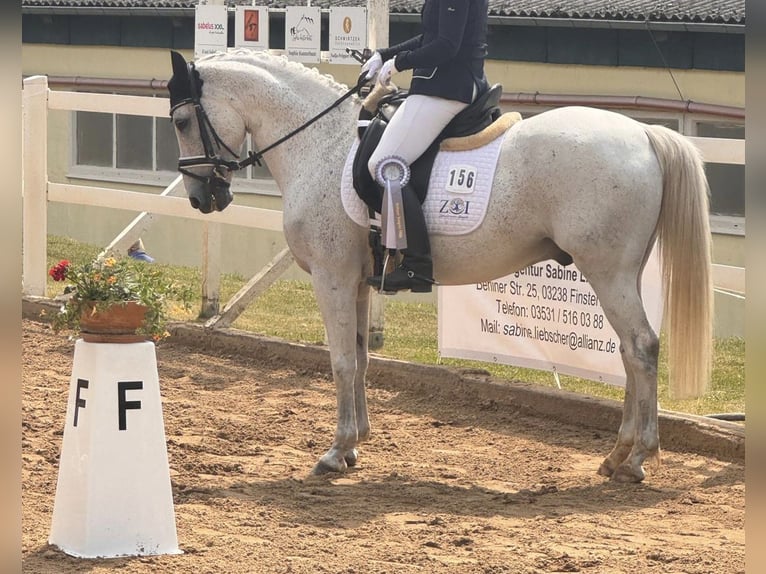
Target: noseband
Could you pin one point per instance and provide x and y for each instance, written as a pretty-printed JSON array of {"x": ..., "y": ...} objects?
[{"x": 212, "y": 143}]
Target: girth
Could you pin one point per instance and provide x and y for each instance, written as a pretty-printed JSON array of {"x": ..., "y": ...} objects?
[{"x": 473, "y": 119}]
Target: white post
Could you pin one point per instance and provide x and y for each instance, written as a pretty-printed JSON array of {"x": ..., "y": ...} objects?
[
  {"x": 377, "y": 37},
  {"x": 377, "y": 23},
  {"x": 211, "y": 270},
  {"x": 375, "y": 336},
  {"x": 35, "y": 185},
  {"x": 211, "y": 253}
]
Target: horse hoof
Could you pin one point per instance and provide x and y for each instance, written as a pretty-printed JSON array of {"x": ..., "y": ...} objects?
[
  {"x": 625, "y": 474},
  {"x": 605, "y": 470},
  {"x": 351, "y": 457},
  {"x": 323, "y": 467}
]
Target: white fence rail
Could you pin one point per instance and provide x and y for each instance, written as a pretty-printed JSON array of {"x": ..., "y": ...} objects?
[
  {"x": 38, "y": 191},
  {"x": 163, "y": 205}
]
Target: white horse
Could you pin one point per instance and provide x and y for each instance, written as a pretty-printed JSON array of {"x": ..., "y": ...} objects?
[{"x": 591, "y": 183}]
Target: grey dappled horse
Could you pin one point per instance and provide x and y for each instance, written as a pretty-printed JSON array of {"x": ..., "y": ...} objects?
[{"x": 591, "y": 183}]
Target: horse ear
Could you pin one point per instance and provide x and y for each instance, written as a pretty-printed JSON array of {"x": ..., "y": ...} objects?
[
  {"x": 178, "y": 61},
  {"x": 178, "y": 85}
]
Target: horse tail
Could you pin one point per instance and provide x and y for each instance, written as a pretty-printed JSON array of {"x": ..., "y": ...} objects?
[{"x": 685, "y": 242}]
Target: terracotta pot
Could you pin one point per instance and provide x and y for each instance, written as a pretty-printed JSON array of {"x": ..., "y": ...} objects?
[{"x": 115, "y": 324}]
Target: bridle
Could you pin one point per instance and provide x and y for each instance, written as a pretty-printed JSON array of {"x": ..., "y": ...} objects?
[
  {"x": 211, "y": 141},
  {"x": 213, "y": 144}
]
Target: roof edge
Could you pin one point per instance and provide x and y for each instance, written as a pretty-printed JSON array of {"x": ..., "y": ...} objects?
[{"x": 412, "y": 17}]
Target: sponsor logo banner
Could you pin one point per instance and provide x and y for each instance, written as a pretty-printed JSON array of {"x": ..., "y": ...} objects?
[
  {"x": 251, "y": 27},
  {"x": 348, "y": 29},
  {"x": 210, "y": 29},
  {"x": 544, "y": 317},
  {"x": 302, "y": 33}
]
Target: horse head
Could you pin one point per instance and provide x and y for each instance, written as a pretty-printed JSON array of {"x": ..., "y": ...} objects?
[{"x": 208, "y": 128}]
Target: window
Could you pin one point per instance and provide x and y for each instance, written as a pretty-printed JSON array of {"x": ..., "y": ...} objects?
[
  {"x": 133, "y": 133},
  {"x": 136, "y": 149},
  {"x": 125, "y": 142},
  {"x": 165, "y": 145},
  {"x": 727, "y": 181},
  {"x": 94, "y": 139}
]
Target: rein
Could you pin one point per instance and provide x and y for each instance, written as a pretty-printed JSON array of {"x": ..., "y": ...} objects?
[
  {"x": 212, "y": 157},
  {"x": 355, "y": 90}
]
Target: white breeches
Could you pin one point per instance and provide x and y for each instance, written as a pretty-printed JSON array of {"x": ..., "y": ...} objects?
[{"x": 414, "y": 127}]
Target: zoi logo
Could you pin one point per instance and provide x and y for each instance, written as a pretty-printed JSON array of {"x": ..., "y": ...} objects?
[{"x": 455, "y": 206}]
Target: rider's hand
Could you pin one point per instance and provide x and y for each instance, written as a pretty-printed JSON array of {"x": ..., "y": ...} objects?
[
  {"x": 372, "y": 66},
  {"x": 386, "y": 71}
]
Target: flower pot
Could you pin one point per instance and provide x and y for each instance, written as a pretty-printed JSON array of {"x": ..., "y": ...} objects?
[{"x": 115, "y": 324}]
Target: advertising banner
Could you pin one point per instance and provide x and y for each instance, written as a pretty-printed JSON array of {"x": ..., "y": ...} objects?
[
  {"x": 348, "y": 29},
  {"x": 251, "y": 27},
  {"x": 210, "y": 23},
  {"x": 302, "y": 33},
  {"x": 544, "y": 317}
]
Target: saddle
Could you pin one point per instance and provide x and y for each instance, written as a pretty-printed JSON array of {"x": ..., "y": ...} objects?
[{"x": 373, "y": 119}]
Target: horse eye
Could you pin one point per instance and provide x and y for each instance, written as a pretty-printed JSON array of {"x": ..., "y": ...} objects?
[{"x": 181, "y": 123}]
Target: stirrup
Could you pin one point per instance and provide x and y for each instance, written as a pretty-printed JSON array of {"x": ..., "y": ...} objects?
[{"x": 382, "y": 289}]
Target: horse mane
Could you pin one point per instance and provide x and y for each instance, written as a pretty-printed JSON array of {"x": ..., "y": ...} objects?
[{"x": 271, "y": 62}]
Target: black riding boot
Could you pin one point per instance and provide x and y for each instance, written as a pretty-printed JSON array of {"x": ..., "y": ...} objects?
[{"x": 415, "y": 272}]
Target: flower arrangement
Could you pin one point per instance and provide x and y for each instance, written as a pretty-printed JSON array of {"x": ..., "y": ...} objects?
[{"x": 98, "y": 285}]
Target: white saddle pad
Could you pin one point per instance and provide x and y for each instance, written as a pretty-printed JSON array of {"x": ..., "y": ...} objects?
[{"x": 458, "y": 190}]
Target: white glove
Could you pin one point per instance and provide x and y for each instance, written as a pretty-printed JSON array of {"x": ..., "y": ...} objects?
[
  {"x": 386, "y": 71},
  {"x": 372, "y": 66}
]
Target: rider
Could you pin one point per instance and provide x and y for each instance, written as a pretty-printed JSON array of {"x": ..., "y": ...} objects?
[{"x": 447, "y": 60}]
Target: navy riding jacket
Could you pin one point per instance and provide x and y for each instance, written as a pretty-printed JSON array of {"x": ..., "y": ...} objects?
[{"x": 447, "y": 58}]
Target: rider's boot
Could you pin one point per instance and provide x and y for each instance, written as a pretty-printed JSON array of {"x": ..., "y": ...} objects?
[{"x": 415, "y": 272}]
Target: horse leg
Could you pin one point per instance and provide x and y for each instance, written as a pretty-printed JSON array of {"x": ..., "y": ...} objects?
[
  {"x": 337, "y": 302},
  {"x": 627, "y": 430},
  {"x": 362, "y": 360},
  {"x": 644, "y": 352},
  {"x": 638, "y": 437}
]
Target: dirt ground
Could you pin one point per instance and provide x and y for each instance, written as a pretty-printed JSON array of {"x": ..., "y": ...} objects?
[{"x": 442, "y": 486}]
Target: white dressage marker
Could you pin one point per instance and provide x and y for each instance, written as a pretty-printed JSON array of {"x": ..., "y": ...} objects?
[{"x": 113, "y": 496}]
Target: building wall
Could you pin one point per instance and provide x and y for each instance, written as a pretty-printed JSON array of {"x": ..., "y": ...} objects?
[{"x": 708, "y": 86}]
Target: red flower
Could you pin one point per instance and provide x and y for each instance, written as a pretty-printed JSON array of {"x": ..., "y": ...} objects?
[{"x": 58, "y": 271}]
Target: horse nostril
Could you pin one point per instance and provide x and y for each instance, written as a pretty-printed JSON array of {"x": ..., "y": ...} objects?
[{"x": 194, "y": 202}]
